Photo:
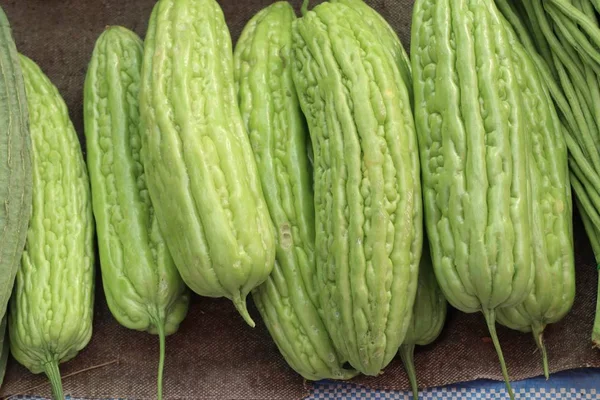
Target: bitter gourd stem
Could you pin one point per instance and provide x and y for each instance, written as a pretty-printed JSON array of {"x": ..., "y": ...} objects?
[
  {"x": 240, "y": 305},
  {"x": 304, "y": 8},
  {"x": 490, "y": 319},
  {"x": 161, "y": 358},
  {"x": 407, "y": 352},
  {"x": 538, "y": 336},
  {"x": 53, "y": 372}
]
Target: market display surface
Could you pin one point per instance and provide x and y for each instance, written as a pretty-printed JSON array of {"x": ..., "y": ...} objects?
[
  {"x": 580, "y": 384},
  {"x": 332, "y": 199}
]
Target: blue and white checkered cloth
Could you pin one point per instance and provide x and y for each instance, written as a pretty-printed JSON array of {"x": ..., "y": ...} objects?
[{"x": 580, "y": 384}]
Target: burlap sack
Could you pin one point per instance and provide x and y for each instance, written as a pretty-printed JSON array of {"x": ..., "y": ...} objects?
[{"x": 215, "y": 354}]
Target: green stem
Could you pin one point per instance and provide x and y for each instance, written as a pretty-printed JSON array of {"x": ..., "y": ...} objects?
[
  {"x": 596, "y": 331},
  {"x": 304, "y": 9},
  {"x": 490, "y": 319},
  {"x": 240, "y": 304},
  {"x": 161, "y": 358},
  {"x": 53, "y": 372},
  {"x": 407, "y": 352},
  {"x": 538, "y": 336},
  {"x": 594, "y": 238}
]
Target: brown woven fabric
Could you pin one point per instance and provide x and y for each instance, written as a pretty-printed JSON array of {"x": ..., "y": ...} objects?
[{"x": 215, "y": 354}]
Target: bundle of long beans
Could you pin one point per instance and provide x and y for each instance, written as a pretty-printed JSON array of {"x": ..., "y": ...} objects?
[{"x": 563, "y": 36}]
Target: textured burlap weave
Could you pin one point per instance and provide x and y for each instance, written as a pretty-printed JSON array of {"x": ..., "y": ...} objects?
[{"x": 215, "y": 354}]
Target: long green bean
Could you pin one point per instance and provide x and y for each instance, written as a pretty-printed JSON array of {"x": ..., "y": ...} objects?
[{"x": 580, "y": 18}]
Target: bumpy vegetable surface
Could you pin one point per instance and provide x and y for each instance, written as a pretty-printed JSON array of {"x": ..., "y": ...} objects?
[
  {"x": 428, "y": 317},
  {"x": 201, "y": 173},
  {"x": 142, "y": 285},
  {"x": 287, "y": 301},
  {"x": 471, "y": 118},
  {"x": 15, "y": 163},
  {"x": 52, "y": 306},
  {"x": 366, "y": 182},
  {"x": 565, "y": 35},
  {"x": 387, "y": 35},
  {"x": 553, "y": 255}
]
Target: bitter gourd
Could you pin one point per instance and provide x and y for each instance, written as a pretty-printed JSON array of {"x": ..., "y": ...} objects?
[
  {"x": 428, "y": 317},
  {"x": 51, "y": 309},
  {"x": 472, "y": 125},
  {"x": 15, "y": 165},
  {"x": 142, "y": 285},
  {"x": 201, "y": 173},
  {"x": 287, "y": 301},
  {"x": 572, "y": 77},
  {"x": 553, "y": 292},
  {"x": 366, "y": 182},
  {"x": 388, "y": 36}
]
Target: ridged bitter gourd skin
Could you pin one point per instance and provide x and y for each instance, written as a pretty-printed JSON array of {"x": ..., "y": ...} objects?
[
  {"x": 553, "y": 290},
  {"x": 201, "y": 173},
  {"x": 366, "y": 182},
  {"x": 387, "y": 35},
  {"x": 143, "y": 288},
  {"x": 15, "y": 163},
  {"x": 52, "y": 306},
  {"x": 428, "y": 317},
  {"x": 471, "y": 121},
  {"x": 287, "y": 301}
]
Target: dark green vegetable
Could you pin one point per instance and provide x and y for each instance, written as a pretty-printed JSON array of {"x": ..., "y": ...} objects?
[
  {"x": 15, "y": 163},
  {"x": 366, "y": 182}
]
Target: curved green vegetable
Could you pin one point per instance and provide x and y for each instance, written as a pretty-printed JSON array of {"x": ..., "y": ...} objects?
[
  {"x": 201, "y": 173},
  {"x": 428, "y": 318},
  {"x": 366, "y": 182},
  {"x": 142, "y": 286},
  {"x": 15, "y": 164},
  {"x": 52, "y": 307},
  {"x": 471, "y": 119},
  {"x": 553, "y": 255},
  {"x": 287, "y": 301}
]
